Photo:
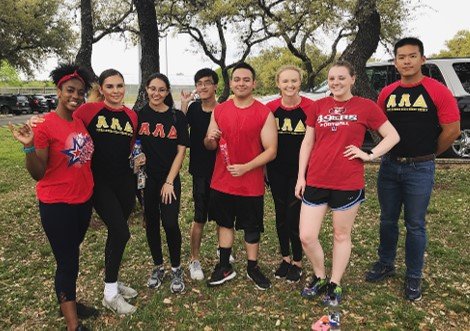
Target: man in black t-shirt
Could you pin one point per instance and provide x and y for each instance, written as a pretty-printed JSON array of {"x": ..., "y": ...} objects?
[{"x": 201, "y": 161}]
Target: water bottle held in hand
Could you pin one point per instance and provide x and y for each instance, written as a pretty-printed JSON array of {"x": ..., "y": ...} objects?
[
  {"x": 136, "y": 156},
  {"x": 224, "y": 150}
]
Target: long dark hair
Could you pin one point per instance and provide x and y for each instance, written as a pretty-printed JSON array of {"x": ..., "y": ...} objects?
[{"x": 169, "y": 98}]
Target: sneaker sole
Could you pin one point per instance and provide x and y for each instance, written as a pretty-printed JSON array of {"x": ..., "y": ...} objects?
[
  {"x": 294, "y": 280},
  {"x": 376, "y": 280},
  {"x": 105, "y": 304},
  {"x": 128, "y": 297},
  {"x": 257, "y": 286},
  {"x": 154, "y": 286},
  {"x": 279, "y": 277},
  {"x": 220, "y": 282},
  {"x": 178, "y": 291},
  {"x": 417, "y": 299}
]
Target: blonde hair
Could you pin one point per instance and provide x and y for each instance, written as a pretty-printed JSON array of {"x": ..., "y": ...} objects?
[
  {"x": 288, "y": 67},
  {"x": 94, "y": 94}
]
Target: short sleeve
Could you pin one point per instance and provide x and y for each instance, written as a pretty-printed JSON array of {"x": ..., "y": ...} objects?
[
  {"x": 446, "y": 104},
  {"x": 311, "y": 110},
  {"x": 41, "y": 136},
  {"x": 376, "y": 116},
  {"x": 182, "y": 128}
]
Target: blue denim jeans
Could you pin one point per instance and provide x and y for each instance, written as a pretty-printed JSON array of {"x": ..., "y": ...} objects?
[{"x": 410, "y": 186}]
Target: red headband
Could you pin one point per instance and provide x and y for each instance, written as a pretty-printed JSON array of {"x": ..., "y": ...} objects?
[{"x": 69, "y": 77}]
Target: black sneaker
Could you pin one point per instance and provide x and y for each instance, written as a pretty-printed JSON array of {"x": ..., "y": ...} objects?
[
  {"x": 260, "y": 280},
  {"x": 334, "y": 294},
  {"x": 282, "y": 270},
  {"x": 413, "y": 289},
  {"x": 84, "y": 311},
  {"x": 314, "y": 288},
  {"x": 294, "y": 274},
  {"x": 221, "y": 275},
  {"x": 379, "y": 271}
]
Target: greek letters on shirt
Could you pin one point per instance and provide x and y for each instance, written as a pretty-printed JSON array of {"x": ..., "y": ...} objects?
[
  {"x": 288, "y": 128},
  {"x": 158, "y": 131},
  {"x": 407, "y": 103},
  {"x": 113, "y": 125}
]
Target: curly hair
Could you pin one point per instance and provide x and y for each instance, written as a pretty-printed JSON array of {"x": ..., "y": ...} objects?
[{"x": 64, "y": 69}]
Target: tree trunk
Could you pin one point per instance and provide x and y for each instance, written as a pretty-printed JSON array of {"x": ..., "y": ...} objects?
[
  {"x": 364, "y": 45},
  {"x": 83, "y": 57},
  {"x": 150, "y": 56},
  {"x": 226, "y": 91}
]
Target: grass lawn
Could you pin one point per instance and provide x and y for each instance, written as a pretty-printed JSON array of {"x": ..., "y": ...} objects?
[{"x": 27, "y": 268}]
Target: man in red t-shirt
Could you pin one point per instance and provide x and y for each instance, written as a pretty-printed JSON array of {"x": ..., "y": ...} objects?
[
  {"x": 243, "y": 131},
  {"x": 426, "y": 116}
]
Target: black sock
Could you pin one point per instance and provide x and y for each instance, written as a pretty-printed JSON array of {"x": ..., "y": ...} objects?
[
  {"x": 225, "y": 256},
  {"x": 252, "y": 264}
]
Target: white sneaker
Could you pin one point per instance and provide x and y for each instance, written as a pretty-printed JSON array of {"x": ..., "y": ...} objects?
[
  {"x": 195, "y": 270},
  {"x": 118, "y": 305},
  {"x": 126, "y": 291},
  {"x": 177, "y": 282},
  {"x": 156, "y": 279},
  {"x": 231, "y": 259}
]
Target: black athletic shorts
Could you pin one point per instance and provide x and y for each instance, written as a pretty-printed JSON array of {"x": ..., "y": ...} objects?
[
  {"x": 336, "y": 199},
  {"x": 201, "y": 192},
  {"x": 243, "y": 213}
]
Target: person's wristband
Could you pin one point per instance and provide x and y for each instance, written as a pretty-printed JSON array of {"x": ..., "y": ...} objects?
[
  {"x": 169, "y": 183},
  {"x": 28, "y": 150},
  {"x": 371, "y": 155}
]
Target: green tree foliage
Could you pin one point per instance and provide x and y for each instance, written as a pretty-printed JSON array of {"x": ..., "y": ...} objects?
[
  {"x": 8, "y": 75},
  {"x": 224, "y": 30},
  {"x": 458, "y": 46},
  {"x": 30, "y": 30},
  {"x": 269, "y": 60}
]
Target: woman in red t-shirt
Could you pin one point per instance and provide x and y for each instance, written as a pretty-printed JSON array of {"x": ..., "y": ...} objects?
[
  {"x": 58, "y": 155},
  {"x": 336, "y": 126}
]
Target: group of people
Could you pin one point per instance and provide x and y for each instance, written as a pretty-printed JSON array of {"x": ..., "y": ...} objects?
[{"x": 307, "y": 151}]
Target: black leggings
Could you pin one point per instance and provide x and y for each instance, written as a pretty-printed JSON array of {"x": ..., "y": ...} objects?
[
  {"x": 155, "y": 210},
  {"x": 113, "y": 201},
  {"x": 287, "y": 208},
  {"x": 65, "y": 226}
]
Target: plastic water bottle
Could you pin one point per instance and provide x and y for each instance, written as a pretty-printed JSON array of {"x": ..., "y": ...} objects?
[
  {"x": 334, "y": 319},
  {"x": 224, "y": 150},
  {"x": 139, "y": 171}
]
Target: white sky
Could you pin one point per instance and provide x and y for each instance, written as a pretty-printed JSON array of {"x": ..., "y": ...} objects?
[{"x": 432, "y": 25}]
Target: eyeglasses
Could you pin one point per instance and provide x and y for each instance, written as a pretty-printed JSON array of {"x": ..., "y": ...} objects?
[
  {"x": 204, "y": 84},
  {"x": 153, "y": 89}
]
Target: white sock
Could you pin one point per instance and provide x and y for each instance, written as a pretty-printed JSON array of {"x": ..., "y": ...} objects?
[
  {"x": 174, "y": 269},
  {"x": 110, "y": 290}
]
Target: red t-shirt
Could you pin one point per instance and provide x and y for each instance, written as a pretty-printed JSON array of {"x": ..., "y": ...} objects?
[
  {"x": 241, "y": 129},
  {"x": 68, "y": 177},
  {"x": 337, "y": 125}
]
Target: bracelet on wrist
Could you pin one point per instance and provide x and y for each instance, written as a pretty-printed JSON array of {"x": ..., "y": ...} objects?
[
  {"x": 28, "y": 150},
  {"x": 371, "y": 155},
  {"x": 169, "y": 183}
]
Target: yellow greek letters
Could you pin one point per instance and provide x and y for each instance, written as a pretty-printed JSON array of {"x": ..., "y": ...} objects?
[{"x": 101, "y": 124}]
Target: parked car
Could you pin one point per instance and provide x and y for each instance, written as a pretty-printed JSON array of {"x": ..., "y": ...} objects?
[
  {"x": 14, "y": 104},
  {"x": 51, "y": 101},
  {"x": 452, "y": 72},
  {"x": 38, "y": 103}
]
